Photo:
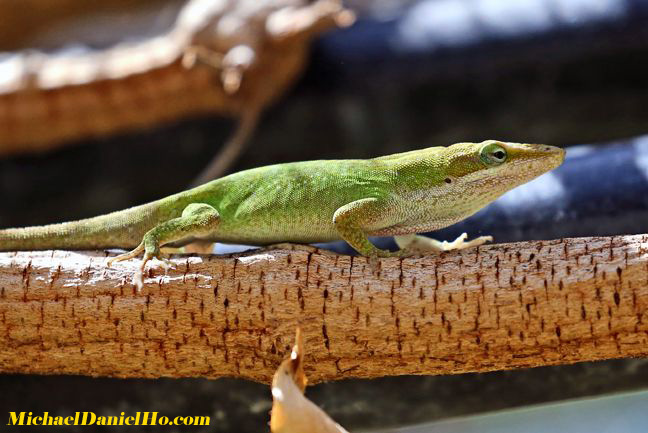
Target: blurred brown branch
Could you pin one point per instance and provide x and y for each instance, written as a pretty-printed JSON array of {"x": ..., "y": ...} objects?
[
  {"x": 200, "y": 66},
  {"x": 25, "y": 20}
]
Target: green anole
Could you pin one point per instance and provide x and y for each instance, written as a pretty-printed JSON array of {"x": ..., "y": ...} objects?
[{"x": 315, "y": 201}]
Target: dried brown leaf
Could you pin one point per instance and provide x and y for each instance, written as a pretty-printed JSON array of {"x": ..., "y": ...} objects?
[{"x": 292, "y": 412}]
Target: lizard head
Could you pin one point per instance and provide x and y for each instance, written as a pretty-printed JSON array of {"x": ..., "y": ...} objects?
[
  {"x": 515, "y": 163},
  {"x": 481, "y": 172},
  {"x": 452, "y": 183}
]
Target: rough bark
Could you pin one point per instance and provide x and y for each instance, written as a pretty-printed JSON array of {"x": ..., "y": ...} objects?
[{"x": 496, "y": 307}]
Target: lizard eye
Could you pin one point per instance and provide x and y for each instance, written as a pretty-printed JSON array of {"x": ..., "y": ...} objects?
[{"x": 493, "y": 154}]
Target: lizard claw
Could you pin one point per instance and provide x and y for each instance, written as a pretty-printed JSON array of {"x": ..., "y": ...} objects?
[
  {"x": 126, "y": 256},
  {"x": 138, "y": 280},
  {"x": 460, "y": 243},
  {"x": 456, "y": 244},
  {"x": 166, "y": 264}
]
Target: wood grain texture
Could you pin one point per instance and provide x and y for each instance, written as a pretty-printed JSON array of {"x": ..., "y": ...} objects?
[{"x": 496, "y": 307}]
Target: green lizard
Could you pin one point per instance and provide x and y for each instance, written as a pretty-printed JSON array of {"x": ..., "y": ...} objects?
[{"x": 315, "y": 201}]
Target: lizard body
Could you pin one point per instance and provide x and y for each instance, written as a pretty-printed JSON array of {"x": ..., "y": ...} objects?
[{"x": 315, "y": 201}]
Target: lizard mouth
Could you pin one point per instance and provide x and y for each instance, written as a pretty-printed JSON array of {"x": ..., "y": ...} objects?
[
  {"x": 553, "y": 153},
  {"x": 538, "y": 160}
]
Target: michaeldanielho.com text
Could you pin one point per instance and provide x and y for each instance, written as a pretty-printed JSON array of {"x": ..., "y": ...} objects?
[{"x": 90, "y": 418}]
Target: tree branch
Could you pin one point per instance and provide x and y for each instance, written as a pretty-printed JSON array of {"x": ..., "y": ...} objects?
[{"x": 496, "y": 307}]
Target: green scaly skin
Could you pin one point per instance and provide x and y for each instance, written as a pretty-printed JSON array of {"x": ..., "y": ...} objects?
[{"x": 315, "y": 201}]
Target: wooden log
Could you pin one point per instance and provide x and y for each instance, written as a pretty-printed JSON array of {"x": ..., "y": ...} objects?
[{"x": 495, "y": 307}]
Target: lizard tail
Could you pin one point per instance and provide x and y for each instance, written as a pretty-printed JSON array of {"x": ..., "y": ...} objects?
[{"x": 118, "y": 229}]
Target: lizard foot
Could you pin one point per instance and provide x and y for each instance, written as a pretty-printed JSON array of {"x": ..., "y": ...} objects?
[
  {"x": 422, "y": 244},
  {"x": 166, "y": 264},
  {"x": 460, "y": 243},
  {"x": 138, "y": 278}
]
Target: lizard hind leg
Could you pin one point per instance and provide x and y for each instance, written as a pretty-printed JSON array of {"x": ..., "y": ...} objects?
[
  {"x": 353, "y": 220},
  {"x": 423, "y": 245},
  {"x": 197, "y": 220}
]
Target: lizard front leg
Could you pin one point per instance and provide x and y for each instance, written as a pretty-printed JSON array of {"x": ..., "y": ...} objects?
[
  {"x": 352, "y": 221},
  {"x": 423, "y": 245},
  {"x": 197, "y": 220}
]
